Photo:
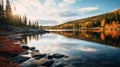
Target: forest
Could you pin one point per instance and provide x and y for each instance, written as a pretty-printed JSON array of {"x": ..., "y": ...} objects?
[
  {"x": 7, "y": 17},
  {"x": 109, "y": 20}
]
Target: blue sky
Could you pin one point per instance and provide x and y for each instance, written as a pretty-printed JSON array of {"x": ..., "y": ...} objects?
[{"x": 53, "y": 12}]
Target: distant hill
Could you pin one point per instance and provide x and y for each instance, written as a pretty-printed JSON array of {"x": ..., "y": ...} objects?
[{"x": 107, "y": 20}]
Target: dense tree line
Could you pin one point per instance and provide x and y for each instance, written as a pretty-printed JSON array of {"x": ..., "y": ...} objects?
[
  {"x": 105, "y": 21},
  {"x": 8, "y": 18}
]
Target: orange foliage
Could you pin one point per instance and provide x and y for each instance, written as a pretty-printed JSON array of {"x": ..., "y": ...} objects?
[{"x": 102, "y": 36}]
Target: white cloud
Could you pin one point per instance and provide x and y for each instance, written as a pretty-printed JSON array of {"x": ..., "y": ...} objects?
[
  {"x": 69, "y": 1},
  {"x": 50, "y": 10},
  {"x": 66, "y": 3},
  {"x": 29, "y": 7},
  {"x": 88, "y": 9},
  {"x": 87, "y": 49}
]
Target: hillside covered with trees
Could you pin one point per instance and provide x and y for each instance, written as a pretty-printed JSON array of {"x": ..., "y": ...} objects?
[
  {"x": 8, "y": 18},
  {"x": 109, "y": 20}
]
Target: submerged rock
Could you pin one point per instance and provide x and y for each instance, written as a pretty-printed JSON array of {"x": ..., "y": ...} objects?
[
  {"x": 43, "y": 62},
  {"x": 62, "y": 65},
  {"x": 59, "y": 56},
  {"x": 76, "y": 64},
  {"x": 48, "y": 63},
  {"x": 36, "y": 54},
  {"x": 20, "y": 59}
]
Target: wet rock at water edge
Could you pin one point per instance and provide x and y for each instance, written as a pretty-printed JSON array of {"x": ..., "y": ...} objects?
[
  {"x": 62, "y": 65},
  {"x": 42, "y": 62},
  {"x": 39, "y": 56},
  {"x": 48, "y": 63},
  {"x": 36, "y": 54},
  {"x": 20, "y": 59},
  {"x": 32, "y": 48},
  {"x": 59, "y": 56},
  {"x": 50, "y": 57},
  {"x": 25, "y": 47}
]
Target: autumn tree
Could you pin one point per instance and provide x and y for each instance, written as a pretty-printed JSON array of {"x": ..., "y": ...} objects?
[{"x": 103, "y": 22}]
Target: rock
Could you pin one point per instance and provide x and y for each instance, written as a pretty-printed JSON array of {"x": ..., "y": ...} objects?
[
  {"x": 49, "y": 56},
  {"x": 20, "y": 59},
  {"x": 32, "y": 48},
  {"x": 39, "y": 56},
  {"x": 48, "y": 63},
  {"x": 59, "y": 56},
  {"x": 62, "y": 65},
  {"x": 19, "y": 30},
  {"x": 43, "y": 62},
  {"x": 36, "y": 54},
  {"x": 25, "y": 47}
]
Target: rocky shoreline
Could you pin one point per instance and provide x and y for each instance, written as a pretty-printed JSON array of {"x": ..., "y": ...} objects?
[{"x": 14, "y": 54}]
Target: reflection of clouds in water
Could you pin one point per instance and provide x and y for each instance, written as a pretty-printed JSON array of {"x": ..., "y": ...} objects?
[
  {"x": 51, "y": 43},
  {"x": 87, "y": 49}
]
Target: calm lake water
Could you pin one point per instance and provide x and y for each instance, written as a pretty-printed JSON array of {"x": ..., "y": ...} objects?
[{"x": 88, "y": 49}]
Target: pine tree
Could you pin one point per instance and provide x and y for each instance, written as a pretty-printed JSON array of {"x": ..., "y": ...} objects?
[
  {"x": 2, "y": 13},
  {"x": 29, "y": 25},
  {"x": 8, "y": 13}
]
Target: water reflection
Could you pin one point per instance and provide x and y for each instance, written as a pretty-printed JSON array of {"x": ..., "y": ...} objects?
[
  {"x": 83, "y": 46},
  {"x": 107, "y": 37}
]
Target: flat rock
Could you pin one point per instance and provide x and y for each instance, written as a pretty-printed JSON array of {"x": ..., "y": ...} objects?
[
  {"x": 20, "y": 59},
  {"x": 25, "y": 47},
  {"x": 59, "y": 56},
  {"x": 36, "y": 54},
  {"x": 32, "y": 48},
  {"x": 43, "y": 62}
]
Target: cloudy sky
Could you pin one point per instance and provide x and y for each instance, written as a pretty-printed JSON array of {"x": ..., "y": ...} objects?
[{"x": 53, "y": 12}]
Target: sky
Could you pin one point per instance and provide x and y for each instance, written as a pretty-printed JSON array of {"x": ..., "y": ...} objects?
[{"x": 54, "y": 12}]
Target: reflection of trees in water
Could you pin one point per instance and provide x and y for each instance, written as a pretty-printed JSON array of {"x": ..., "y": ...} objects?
[
  {"x": 109, "y": 37},
  {"x": 27, "y": 39}
]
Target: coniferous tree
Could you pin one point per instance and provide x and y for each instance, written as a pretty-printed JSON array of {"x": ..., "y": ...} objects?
[
  {"x": 8, "y": 13},
  {"x": 2, "y": 18}
]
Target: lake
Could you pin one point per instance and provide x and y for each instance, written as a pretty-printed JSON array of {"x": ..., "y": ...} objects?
[{"x": 84, "y": 48}]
